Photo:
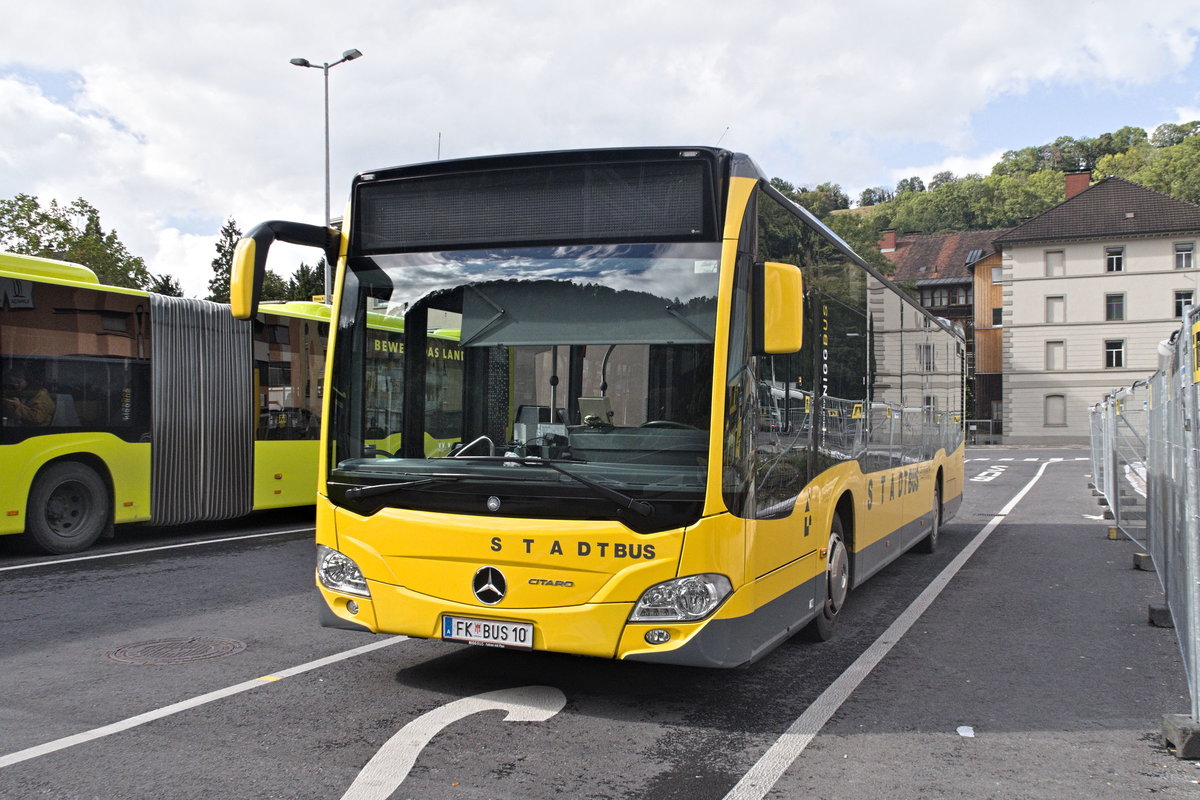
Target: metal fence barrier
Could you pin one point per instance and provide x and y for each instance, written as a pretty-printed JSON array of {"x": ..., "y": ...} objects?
[
  {"x": 1146, "y": 468},
  {"x": 981, "y": 431},
  {"x": 1120, "y": 447}
]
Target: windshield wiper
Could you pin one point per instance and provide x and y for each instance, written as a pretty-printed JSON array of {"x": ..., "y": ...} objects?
[
  {"x": 639, "y": 507},
  {"x": 441, "y": 477}
]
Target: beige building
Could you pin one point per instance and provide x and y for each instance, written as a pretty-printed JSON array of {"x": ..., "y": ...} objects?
[{"x": 1090, "y": 288}]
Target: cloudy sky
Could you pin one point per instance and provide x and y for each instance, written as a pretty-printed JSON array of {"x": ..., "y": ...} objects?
[{"x": 170, "y": 117}]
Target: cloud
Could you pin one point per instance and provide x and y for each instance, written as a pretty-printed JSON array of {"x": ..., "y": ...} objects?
[{"x": 170, "y": 118}]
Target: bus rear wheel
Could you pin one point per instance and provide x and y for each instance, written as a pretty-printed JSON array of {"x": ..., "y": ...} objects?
[
  {"x": 68, "y": 509},
  {"x": 837, "y": 585}
]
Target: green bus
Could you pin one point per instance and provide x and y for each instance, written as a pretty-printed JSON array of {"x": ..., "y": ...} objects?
[{"x": 123, "y": 406}]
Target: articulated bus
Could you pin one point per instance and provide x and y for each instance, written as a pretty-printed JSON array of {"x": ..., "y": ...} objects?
[
  {"x": 686, "y": 421},
  {"x": 125, "y": 406}
]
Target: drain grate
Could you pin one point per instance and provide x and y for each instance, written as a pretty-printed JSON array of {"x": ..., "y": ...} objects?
[{"x": 162, "y": 652}]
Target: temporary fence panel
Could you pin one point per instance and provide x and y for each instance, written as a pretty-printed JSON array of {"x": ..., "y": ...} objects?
[{"x": 1146, "y": 464}]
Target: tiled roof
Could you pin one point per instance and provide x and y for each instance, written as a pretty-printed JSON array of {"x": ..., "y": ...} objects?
[
  {"x": 1114, "y": 208},
  {"x": 940, "y": 257}
]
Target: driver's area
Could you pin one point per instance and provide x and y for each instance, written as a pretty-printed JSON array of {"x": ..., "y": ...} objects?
[{"x": 617, "y": 403}]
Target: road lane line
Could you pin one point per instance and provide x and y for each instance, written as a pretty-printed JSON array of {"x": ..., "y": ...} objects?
[
  {"x": 759, "y": 780},
  {"x": 97, "y": 556},
  {"x": 184, "y": 705}
]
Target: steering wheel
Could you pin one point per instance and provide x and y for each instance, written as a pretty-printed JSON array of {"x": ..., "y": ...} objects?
[{"x": 668, "y": 423}]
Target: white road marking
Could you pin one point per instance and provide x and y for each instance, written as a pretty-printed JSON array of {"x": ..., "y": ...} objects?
[
  {"x": 97, "y": 556},
  {"x": 388, "y": 768},
  {"x": 184, "y": 705},
  {"x": 990, "y": 474},
  {"x": 759, "y": 780}
]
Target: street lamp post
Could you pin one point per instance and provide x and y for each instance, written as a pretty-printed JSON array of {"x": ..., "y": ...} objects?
[{"x": 349, "y": 55}]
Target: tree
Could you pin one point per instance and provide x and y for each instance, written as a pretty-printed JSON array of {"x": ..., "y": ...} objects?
[
  {"x": 913, "y": 184},
  {"x": 783, "y": 186},
  {"x": 941, "y": 178},
  {"x": 218, "y": 287},
  {"x": 1067, "y": 153},
  {"x": 274, "y": 287},
  {"x": 1170, "y": 134},
  {"x": 69, "y": 233},
  {"x": 1172, "y": 170},
  {"x": 874, "y": 195},
  {"x": 307, "y": 282},
  {"x": 166, "y": 285}
]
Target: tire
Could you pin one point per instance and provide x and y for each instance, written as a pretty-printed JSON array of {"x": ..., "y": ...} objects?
[
  {"x": 68, "y": 509},
  {"x": 930, "y": 542},
  {"x": 837, "y": 586}
]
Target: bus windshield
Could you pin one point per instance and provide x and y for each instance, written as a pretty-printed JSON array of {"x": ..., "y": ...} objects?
[{"x": 597, "y": 358}]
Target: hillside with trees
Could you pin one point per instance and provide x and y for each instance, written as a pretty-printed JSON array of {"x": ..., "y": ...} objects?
[{"x": 1023, "y": 184}]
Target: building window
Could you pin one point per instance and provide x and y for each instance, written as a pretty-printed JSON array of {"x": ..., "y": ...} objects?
[
  {"x": 1056, "y": 356},
  {"x": 1114, "y": 353},
  {"x": 1183, "y": 255},
  {"x": 1114, "y": 259},
  {"x": 1182, "y": 299},
  {"x": 925, "y": 357},
  {"x": 997, "y": 274},
  {"x": 1056, "y": 263},
  {"x": 1056, "y": 308},
  {"x": 1114, "y": 307},
  {"x": 997, "y": 317},
  {"x": 940, "y": 297},
  {"x": 1055, "y": 411},
  {"x": 962, "y": 296}
]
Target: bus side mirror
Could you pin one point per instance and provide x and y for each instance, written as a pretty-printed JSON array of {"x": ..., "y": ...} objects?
[
  {"x": 779, "y": 303},
  {"x": 245, "y": 277},
  {"x": 250, "y": 258}
]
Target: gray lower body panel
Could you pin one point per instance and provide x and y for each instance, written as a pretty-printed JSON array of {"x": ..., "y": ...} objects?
[{"x": 740, "y": 641}]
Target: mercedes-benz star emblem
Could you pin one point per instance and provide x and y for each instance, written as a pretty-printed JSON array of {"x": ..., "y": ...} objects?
[{"x": 489, "y": 585}]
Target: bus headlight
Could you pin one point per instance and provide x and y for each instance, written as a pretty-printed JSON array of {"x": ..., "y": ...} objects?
[
  {"x": 339, "y": 573},
  {"x": 682, "y": 600}
]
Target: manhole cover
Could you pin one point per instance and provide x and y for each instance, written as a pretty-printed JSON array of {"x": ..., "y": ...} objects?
[{"x": 176, "y": 651}]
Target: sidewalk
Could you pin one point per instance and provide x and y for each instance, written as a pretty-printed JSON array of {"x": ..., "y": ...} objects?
[{"x": 1034, "y": 675}]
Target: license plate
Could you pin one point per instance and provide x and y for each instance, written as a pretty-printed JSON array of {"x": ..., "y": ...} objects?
[{"x": 490, "y": 632}]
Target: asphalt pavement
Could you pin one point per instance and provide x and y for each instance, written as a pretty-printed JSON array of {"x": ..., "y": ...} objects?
[
  {"x": 1015, "y": 662},
  {"x": 1036, "y": 674}
]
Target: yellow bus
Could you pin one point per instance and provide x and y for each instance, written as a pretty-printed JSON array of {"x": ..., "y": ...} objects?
[
  {"x": 124, "y": 406},
  {"x": 687, "y": 418}
]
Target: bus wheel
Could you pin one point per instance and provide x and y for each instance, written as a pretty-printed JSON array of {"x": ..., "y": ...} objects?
[
  {"x": 837, "y": 585},
  {"x": 930, "y": 542},
  {"x": 68, "y": 509}
]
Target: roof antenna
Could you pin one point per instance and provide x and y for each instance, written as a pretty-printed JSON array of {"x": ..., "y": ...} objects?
[
  {"x": 722, "y": 136},
  {"x": 439, "y": 157}
]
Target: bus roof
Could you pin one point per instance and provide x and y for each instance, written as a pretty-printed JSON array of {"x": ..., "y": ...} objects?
[{"x": 46, "y": 268}]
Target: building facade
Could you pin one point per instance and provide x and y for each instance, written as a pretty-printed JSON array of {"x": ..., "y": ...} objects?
[
  {"x": 946, "y": 273},
  {"x": 1089, "y": 289}
]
